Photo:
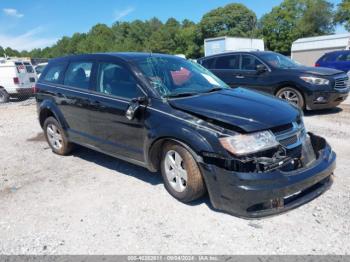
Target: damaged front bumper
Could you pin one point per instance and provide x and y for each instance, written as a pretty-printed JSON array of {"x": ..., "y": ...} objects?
[{"x": 259, "y": 194}]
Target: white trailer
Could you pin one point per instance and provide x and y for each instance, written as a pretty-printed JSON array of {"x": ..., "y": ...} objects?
[{"x": 224, "y": 44}]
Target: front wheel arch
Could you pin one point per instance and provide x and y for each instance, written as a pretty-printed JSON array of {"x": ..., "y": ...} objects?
[
  {"x": 295, "y": 88},
  {"x": 155, "y": 152}
]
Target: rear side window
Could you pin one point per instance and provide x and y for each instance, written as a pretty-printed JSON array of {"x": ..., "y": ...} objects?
[
  {"x": 78, "y": 75},
  {"x": 208, "y": 63},
  {"x": 227, "y": 62},
  {"x": 53, "y": 73},
  {"x": 343, "y": 57},
  {"x": 114, "y": 79}
]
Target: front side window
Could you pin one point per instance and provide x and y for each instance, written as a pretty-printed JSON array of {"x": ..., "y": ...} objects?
[
  {"x": 53, "y": 73},
  {"x": 227, "y": 62},
  {"x": 250, "y": 62},
  {"x": 78, "y": 75},
  {"x": 173, "y": 76},
  {"x": 114, "y": 79}
]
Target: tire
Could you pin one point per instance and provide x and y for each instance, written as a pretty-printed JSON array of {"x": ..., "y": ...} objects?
[
  {"x": 56, "y": 137},
  {"x": 4, "y": 96},
  {"x": 291, "y": 95},
  {"x": 184, "y": 186}
]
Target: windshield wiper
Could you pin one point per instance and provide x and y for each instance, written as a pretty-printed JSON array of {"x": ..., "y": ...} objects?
[{"x": 181, "y": 95}]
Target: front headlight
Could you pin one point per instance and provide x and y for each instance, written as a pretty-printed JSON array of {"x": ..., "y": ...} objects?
[
  {"x": 315, "y": 80},
  {"x": 244, "y": 144}
]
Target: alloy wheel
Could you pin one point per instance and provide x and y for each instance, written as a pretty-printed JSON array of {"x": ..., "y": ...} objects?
[{"x": 175, "y": 171}]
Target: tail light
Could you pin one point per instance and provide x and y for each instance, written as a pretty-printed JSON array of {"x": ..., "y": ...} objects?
[
  {"x": 317, "y": 64},
  {"x": 35, "y": 89},
  {"x": 16, "y": 80}
]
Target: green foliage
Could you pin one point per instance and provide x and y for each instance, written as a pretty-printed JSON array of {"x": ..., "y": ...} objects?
[
  {"x": 342, "y": 14},
  {"x": 294, "y": 19},
  {"x": 231, "y": 20}
]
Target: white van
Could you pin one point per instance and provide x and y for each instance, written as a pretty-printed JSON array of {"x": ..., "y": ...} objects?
[{"x": 17, "y": 78}]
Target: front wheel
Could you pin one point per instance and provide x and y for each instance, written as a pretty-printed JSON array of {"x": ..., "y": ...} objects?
[
  {"x": 292, "y": 96},
  {"x": 181, "y": 174}
]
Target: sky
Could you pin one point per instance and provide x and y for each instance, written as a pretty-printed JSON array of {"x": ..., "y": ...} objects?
[{"x": 28, "y": 24}]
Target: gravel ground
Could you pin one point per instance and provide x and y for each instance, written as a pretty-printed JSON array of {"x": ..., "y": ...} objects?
[{"x": 89, "y": 203}]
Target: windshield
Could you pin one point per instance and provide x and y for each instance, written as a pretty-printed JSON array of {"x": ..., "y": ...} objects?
[
  {"x": 173, "y": 76},
  {"x": 278, "y": 60}
]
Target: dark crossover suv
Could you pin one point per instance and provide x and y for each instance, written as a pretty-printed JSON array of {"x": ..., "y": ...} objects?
[
  {"x": 308, "y": 87},
  {"x": 248, "y": 150}
]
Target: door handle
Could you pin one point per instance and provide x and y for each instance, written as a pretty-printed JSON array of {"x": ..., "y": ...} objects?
[{"x": 239, "y": 76}]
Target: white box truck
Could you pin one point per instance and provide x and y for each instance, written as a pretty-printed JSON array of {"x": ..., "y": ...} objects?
[{"x": 224, "y": 44}]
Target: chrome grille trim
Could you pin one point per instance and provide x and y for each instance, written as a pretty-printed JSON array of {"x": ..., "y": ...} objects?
[
  {"x": 341, "y": 82},
  {"x": 293, "y": 137}
]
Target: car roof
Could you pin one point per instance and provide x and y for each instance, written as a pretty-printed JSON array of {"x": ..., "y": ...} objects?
[
  {"x": 236, "y": 52},
  {"x": 126, "y": 56},
  {"x": 339, "y": 52}
]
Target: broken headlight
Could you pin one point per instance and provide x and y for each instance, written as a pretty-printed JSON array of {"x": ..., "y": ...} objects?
[{"x": 245, "y": 144}]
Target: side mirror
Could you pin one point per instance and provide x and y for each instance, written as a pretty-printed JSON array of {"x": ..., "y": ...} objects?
[
  {"x": 134, "y": 107},
  {"x": 261, "y": 69}
]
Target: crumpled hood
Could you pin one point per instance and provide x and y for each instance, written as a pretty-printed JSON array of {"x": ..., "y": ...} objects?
[
  {"x": 319, "y": 71},
  {"x": 248, "y": 110}
]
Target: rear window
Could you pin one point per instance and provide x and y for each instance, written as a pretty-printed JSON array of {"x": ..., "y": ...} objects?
[
  {"x": 53, "y": 73},
  {"x": 20, "y": 68},
  {"x": 29, "y": 68}
]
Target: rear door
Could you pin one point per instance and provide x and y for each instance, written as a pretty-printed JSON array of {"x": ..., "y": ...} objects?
[
  {"x": 226, "y": 67},
  {"x": 343, "y": 62},
  {"x": 22, "y": 75},
  {"x": 30, "y": 72},
  {"x": 115, "y": 87},
  {"x": 70, "y": 87}
]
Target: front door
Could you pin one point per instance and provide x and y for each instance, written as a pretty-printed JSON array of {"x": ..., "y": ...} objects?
[
  {"x": 116, "y": 86},
  {"x": 251, "y": 78}
]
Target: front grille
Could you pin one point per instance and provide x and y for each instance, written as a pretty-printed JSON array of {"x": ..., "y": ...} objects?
[
  {"x": 32, "y": 79},
  {"x": 289, "y": 141},
  {"x": 291, "y": 137},
  {"x": 341, "y": 83}
]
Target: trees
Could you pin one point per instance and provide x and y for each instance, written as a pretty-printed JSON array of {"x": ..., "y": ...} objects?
[
  {"x": 230, "y": 20},
  {"x": 294, "y": 19},
  {"x": 342, "y": 14}
]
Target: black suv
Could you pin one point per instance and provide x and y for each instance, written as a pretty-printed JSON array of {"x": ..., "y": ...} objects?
[
  {"x": 307, "y": 87},
  {"x": 250, "y": 151}
]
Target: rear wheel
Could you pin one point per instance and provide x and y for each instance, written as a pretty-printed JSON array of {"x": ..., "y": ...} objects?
[
  {"x": 4, "y": 96},
  {"x": 181, "y": 174},
  {"x": 291, "y": 95},
  {"x": 56, "y": 137}
]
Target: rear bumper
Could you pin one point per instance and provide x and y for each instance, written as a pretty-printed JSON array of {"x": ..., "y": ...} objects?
[
  {"x": 254, "y": 195},
  {"x": 331, "y": 99},
  {"x": 24, "y": 91}
]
